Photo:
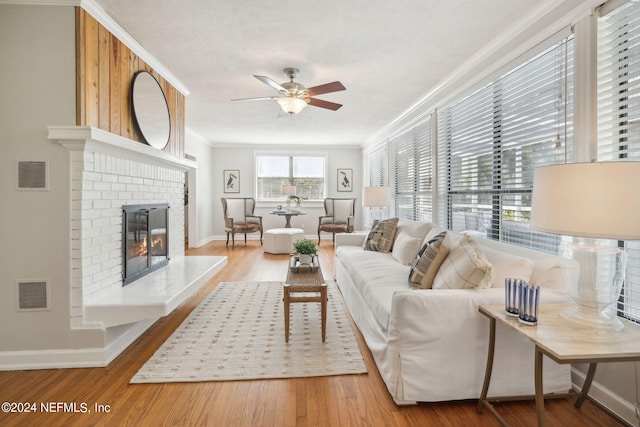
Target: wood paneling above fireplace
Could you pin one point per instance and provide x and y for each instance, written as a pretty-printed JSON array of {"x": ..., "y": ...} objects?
[{"x": 104, "y": 71}]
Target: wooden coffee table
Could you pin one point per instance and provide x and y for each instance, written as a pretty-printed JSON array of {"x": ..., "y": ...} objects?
[{"x": 306, "y": 282}]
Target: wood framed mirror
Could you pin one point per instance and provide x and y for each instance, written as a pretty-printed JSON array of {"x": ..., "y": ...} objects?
[{"x": 150, "y": 110}]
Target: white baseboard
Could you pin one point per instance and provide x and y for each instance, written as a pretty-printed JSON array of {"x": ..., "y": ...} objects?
[
  {"x": 52, "y": 359},
  {"x": 96, "y": 357},
  {"x": 610, "y": 400},
  {"x": 120, "y": 344}
]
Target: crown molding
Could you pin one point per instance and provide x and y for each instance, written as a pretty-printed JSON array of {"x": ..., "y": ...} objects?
[
  {"x": 91, "y": 7},
  {"x": 540, "y": 24}
]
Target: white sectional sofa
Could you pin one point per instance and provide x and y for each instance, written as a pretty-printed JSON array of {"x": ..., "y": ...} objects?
[{"x": 431, "y": 344}]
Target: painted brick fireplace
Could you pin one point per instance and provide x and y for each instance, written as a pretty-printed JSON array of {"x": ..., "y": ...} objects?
[{"x": 108, "y": 172}]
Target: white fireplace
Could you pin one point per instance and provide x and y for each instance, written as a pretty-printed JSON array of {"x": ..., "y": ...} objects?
[{"x": 107, "y": 173}]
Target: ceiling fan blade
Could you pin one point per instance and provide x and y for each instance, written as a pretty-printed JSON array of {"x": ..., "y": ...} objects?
[
  {"x": 261, "y": 98},
  {"x": 271, "y": 83},
  {"x": 324, "y": 104},
  {"x": 326, "y": 88}
]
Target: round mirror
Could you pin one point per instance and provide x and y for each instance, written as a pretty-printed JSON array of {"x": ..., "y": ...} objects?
[{"x": 150, "y": 110}]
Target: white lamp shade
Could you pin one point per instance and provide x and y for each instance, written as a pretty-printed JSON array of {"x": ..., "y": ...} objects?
[
  {"x": 291, "y": 104},
  {"x": 288, "y": 190},
  {"x": 596, "y": 200},
  {"x": 376, "y": 196}
]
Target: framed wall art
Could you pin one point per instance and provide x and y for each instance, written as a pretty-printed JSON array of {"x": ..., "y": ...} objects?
[
  {"x": 345, "y": 179},
  {"x": 231, "y": 181}
]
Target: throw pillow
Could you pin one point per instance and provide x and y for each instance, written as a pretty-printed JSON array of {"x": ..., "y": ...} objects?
[
  {"x": 380, "y": 238},
  {"x": 426, "y": 264},
  {"x": 508, "y": 266},
  {"x": 466, "y": 267},
  {"x": 405, "y": 248}
]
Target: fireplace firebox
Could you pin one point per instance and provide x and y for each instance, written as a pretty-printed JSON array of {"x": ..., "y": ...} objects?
[{"x": 145, "y": 240}]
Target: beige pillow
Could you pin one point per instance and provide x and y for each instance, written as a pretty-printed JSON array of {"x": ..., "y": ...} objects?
[
  {"x": 426, "y": 264},
  {"x": 380, "y": 238},
  {"x": 466, "y": 267},
  {"x": 405, "y": 248},
  {"x": 508, "y": 266}
]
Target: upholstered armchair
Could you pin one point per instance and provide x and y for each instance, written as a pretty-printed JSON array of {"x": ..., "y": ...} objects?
[
  {"x": 239, "y": 218},
  {"x": 338, "y": 218}
]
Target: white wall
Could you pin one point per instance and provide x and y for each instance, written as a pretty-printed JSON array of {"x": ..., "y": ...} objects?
[
  {"x": 37, "y": 78},
  {"x": 201, "y": 183},
  {"x": 212, "y": 161}
]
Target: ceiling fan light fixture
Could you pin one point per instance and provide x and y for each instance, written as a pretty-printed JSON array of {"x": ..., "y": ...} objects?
[{"x": 291, "y": 104}]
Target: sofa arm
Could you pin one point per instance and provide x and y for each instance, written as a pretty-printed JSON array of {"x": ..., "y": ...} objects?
[
  {"x": 351, "y": 239},
  {"x": 440, "y": 334}
]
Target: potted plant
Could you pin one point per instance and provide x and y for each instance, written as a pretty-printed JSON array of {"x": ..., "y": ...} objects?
[
  {"x": 297, "y": 201},
  {"x": 306, "y": 249}
]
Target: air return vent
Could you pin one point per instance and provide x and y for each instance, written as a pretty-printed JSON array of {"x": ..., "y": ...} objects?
[
  {"x": 32, "y": 175},
  {"x": 33, "y": 295}
]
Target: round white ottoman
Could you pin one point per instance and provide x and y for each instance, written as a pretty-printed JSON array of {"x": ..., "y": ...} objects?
[{"x": 281, "y": 240}]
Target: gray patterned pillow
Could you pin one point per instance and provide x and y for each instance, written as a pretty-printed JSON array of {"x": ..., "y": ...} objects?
[
  {"x": 426, "y": 264},
  {"x": 380, "y": 238}
]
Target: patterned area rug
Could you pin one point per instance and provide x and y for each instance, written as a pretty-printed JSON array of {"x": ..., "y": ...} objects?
[{"x": 237, "y": 333}]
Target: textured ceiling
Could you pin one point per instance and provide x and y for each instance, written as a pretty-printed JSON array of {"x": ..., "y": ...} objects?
[{"x": 388, "y": 54}]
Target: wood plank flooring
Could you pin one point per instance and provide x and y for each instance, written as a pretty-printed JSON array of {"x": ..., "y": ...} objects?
[{"x": 351, "y": 400}]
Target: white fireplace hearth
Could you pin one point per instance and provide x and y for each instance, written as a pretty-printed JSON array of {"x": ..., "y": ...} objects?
[{"x": 108, "y": 172}]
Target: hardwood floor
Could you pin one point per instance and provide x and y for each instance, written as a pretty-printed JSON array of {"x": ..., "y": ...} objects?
[{"x": 351, "y": 400}]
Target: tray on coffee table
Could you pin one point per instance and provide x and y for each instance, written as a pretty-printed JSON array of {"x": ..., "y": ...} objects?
[{"x": 296, "y": 267}]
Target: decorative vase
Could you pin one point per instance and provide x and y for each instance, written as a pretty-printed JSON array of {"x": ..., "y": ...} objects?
[{"x": 306, "y": 259}]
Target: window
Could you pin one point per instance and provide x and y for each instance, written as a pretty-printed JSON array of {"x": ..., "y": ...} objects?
[
  {"x": 305, "y": 171},
  {"x": 619, "y": 117},
  {"x": 376, "y": 163},
  {"x": 376, "y": 170},
  {"x": 410, "y": 160},
  {"x": 491, "y": 141}
]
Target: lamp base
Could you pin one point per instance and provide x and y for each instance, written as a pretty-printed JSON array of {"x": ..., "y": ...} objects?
[
  {"x": 595, "y": 321},
  {"x": 600, "y": 276}
]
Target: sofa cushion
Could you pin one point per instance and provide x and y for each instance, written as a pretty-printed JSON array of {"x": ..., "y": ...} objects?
[
  {"x": 417, "y": 229},
  {"x": 380, "y": 238},
  {"x": 507, "y": 266},
  {"x": 375, "y": 276},
  {"x": 405, "y": 248},
  {"x": 465, "y": 267},
  {"x": 426, "y": 264}
]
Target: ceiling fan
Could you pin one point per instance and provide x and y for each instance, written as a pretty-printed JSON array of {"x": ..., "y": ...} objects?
[{"x": 293, "y": 97}]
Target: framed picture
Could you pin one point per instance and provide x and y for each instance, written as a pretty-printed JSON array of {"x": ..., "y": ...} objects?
[
  {"x": 231, "y": 181},
  {"x": 345, "y": 179}
]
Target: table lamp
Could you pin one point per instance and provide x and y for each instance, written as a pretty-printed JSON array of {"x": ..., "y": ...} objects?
[
  {"x": 590, "y": 202},
  {"x": 376, "y": 197}
]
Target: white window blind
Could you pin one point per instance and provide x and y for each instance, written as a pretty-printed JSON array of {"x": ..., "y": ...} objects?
[
  {"x": 305, "y": 171},
  {"x": 619, "y": 117},
  {"x": 376, "y": 161},
  {"x": 376, "y": 170},
  {"x": 411, "y": 159},
  {"x": 491, "y": 141}
]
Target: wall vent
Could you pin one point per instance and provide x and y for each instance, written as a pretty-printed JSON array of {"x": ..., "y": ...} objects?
[
  {"x": 33, "y": 295},
  {"x": 32, "y": 175}
]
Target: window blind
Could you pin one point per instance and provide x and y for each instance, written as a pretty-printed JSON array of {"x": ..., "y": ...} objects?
[
  {"x": 491, "y": 141},
  {"x": 619, "y": 117},
  {"x": 376, "y": 170},
  {"x": 411, "y": 159},
  {"x": 376, "y": 162}
]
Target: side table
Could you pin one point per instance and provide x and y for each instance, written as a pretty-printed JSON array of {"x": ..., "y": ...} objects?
[
  {"x": 305, "y": 282},
  {"x": 563, "y": 341}
]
